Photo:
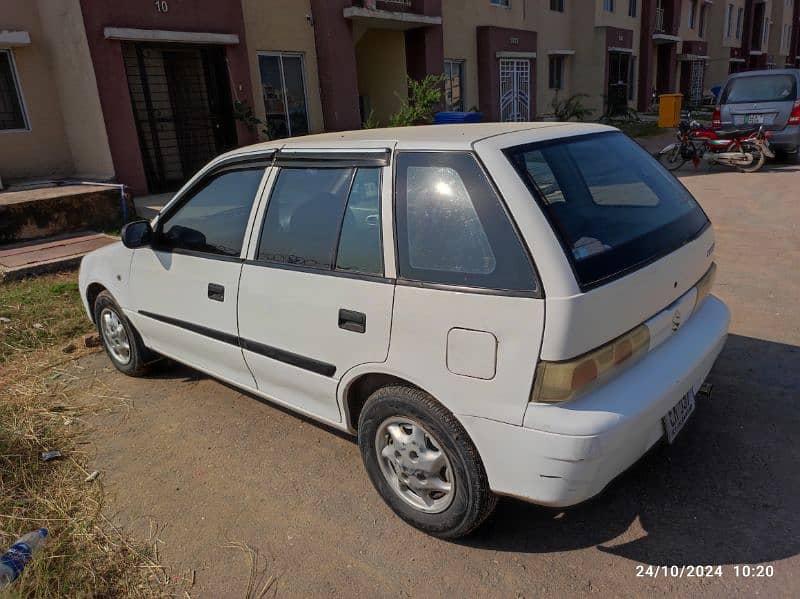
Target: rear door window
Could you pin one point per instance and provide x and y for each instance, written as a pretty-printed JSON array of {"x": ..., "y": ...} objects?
[
  {"x": 612, "y": 205},
  {"x": 760, "y": 88},
  {"x": 452, "y": 228},
  {"x": 325, "y": 218}
]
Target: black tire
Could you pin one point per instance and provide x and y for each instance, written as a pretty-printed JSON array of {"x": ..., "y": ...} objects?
[
  {"x": 140, "y": 357},
  {"x": 472, "y": 500},
  {"x": 671, "y": 159}
]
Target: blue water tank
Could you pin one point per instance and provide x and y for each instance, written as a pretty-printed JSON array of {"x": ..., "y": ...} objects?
[{"x": 451, "y": 118}]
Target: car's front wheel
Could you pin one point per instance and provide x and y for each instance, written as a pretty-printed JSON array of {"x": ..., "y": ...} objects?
[
  {"x": 122, "y": 342},
  {"x": 421, "y": 461}
]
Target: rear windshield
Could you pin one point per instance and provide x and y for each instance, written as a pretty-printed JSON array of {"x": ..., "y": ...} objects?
[
  {"x": 613, "y": 206},
  {"x": 761, "y": 88}
]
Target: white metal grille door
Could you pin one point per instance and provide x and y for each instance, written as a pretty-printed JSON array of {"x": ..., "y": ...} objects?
[
  {"x": 696, "y": 85},
  {"x": 515, "y": 78}
]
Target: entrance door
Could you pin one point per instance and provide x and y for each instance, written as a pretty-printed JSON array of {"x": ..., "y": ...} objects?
[
  {"x": 515, "y": 78},
  {"x": 618, "y": 76},
  {"x": 313, "y": 303},
  {"x": 182, "y": 107}
]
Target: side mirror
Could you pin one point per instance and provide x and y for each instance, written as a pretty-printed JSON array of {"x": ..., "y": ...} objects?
[{"x": 137, "y": 234}]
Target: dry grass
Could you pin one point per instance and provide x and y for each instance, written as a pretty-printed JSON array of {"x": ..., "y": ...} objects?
[{"x": 44, "y": 398}]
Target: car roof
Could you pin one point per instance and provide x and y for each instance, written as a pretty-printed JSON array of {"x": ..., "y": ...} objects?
[
  {"x": 425, "y": 137},
  {"x": 795, "y": 72}
]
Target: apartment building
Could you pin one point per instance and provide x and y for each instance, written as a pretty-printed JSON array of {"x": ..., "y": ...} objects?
[
  {"x": 51, "y": 124},
  {"x": 693, "y": 52},
  {"x": 147, "y": 92},
  {"x": 780, "y": 25}
]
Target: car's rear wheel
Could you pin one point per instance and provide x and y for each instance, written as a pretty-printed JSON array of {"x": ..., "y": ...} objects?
[
  {"x": 421, "y": 461},
  {"x": 122, "y": 343}
]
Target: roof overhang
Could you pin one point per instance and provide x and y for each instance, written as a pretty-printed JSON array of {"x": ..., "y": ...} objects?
[
  {"x": 665, "y": 38},
  {"x": 389, "y": 19},
  {"x": 736, "y": 60},
  {"x": 620, "y": 49},
  {"x": 560, "y": 52},
  {"x": 163, "y": 35},
  {"x": 515, "y": 55},
  {"x": 692, "y": 57},
  {"x": 14, "y": 38},
  {"x": 756, "y": 52}
]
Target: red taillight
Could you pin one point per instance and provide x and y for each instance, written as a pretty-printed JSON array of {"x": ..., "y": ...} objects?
[
  {"x": 794, "y": 118},
  {"x": 716, "y": 118}
]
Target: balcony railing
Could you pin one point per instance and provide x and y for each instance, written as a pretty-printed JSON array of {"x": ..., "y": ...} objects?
[
  {"x": 659, "y": 20},
  {"x": 395, "y": 5}
]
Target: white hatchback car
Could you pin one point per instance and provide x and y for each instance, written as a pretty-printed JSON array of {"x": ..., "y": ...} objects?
[{"x": 494, "y": 309}]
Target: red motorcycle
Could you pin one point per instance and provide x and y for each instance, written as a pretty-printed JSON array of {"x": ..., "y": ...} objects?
[{"x": 746, "y": 149}]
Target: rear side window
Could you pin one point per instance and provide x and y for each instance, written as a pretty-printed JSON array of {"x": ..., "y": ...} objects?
[
  {"x": 613, "y": 206},
  {"x": 324, "y": 218},
  {"x": 212, "y": 217},
  {"x": 451, "y": 226},
  {"x": 760, "y": 88}
]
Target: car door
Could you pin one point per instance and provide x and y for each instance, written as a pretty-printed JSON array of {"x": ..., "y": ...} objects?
[
  {"x": 185, "y": 286},
  {"x": 313, "y": 299}
]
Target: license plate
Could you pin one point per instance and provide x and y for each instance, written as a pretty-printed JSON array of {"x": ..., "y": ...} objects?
[
  {"x": 678, "y": 415},
  {"x": 754, "y": 119}
]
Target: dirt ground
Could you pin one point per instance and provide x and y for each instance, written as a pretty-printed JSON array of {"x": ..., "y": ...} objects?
[{"x": 213, "y": 465}]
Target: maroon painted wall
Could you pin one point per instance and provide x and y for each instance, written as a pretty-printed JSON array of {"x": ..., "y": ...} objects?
[
  {"x": 647, "y": 47},
  {"x": 498, "y": 39},
  {"x": 208, "y": 16},
  {"x": 336, "y": 59}
]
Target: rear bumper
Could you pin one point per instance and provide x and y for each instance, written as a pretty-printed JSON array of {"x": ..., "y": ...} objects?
[
  {"x": 787, "y": 139},
  {"x": 565, "y": 454}
]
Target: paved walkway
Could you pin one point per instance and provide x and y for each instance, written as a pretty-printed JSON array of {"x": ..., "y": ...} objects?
[{"x": 25, "y": 259}]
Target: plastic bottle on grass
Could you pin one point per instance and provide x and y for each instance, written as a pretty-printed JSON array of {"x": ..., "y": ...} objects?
[{"x": 19, "y": 554}]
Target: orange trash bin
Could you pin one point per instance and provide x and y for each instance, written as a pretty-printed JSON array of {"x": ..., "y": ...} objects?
[{"x": 669, "y": 110}]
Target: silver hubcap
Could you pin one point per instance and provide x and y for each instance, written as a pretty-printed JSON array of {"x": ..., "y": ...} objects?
[
  {"x": 115, "y": 336},
  {"x": 414, "y": 464}
]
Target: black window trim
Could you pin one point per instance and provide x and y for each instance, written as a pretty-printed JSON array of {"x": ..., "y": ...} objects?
[
  {"x": 332, "y": 271},
  {"x": 332, "y": 158},
  {"x": 234, "y": 163},
  {"x": 17, "y": 83},
  {"x": 536, "y": 293},
  {"x": 533, "y": 188}
]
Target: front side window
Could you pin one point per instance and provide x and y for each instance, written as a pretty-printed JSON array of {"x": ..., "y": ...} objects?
[
  {"x": 213, "y": 217},
  {"x": 12, "y": 115},
  {"x": 324, "y": 218},
  {"x": 612, "y": 205},
  {"x": 454, "y": 85},
  {"x": 451, "y": 226},
  {"x": 284, "y": 92}
]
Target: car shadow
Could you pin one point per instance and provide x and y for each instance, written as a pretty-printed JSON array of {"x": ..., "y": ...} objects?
[{"x": 726, "y": 492}]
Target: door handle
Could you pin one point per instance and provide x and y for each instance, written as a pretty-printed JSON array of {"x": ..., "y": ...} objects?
[
  {"x": 350, "y": 320},
  {"x": 216, "y": 292}
]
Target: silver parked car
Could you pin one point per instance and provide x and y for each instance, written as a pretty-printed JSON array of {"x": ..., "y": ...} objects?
[{"x": 768, "y": 98}]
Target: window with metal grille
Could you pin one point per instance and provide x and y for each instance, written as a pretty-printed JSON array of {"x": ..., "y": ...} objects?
[
  {"x": 12, "y": 113},
  {"x": 454, "y": 85},
  {"x": 556, "y": 77}
]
